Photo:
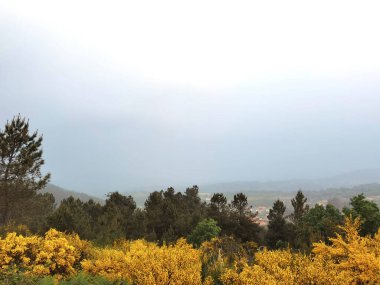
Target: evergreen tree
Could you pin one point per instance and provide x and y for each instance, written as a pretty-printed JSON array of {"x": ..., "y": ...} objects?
[
  {"x": 71, "y": 216},
  {"x": 300, "y": 207},
  {"x": 296, "y": 230},
  {"x": 116, "y": 218},
  {"x": 154, "y": 209},
  {"x": 218, "y": 203},
  {"x": 137, "y": 226},
  {"x": 321, "y": 223},
  {"x": 242, "y": 221},
  {"x": 240, "y": 204},
  {"x": 20, "y": 170},
  {"x": 367, "y": 211},
  {"x": 171, "y": 215},
  {"x": 217, "y": 209},
  {"x": 277, "y": 233}
]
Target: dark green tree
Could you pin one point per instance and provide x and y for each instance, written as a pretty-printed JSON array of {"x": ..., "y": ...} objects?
[
  {"x": 277, "y": 231},
  {"x": 321, "y": 223},
  {"x": 240, "y": 205},
  {"x": 300, "y": 207},
  {"x": 94, "y": 210},
  {"x": 36, "y": 214},
  {"x": 171, "y": 215},
  {"x": 218, "y": 210},
  {"x": 242, "y": 221},
  {"x": 117, "y": 217},
  {"x": 218, "y": 203},
  {"x": 367, "y": 211},
  {"x": 192, "y": 211},
  {"x": 204, "y": 231},
  {"x": 20, "y": 170},
  {"x": 296, "y": 231},
  {"x": 156, "y": 226},
  {"x": 137, "y": 225},
  {"x": 71, "y": 216}
]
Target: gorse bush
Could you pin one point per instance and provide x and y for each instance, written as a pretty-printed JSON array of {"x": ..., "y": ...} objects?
[
  {"x": 142, "y": 262},
  {"x": 357, "y": 256},
  {"x": 54, "y": 254},
  {"x": 284, "y": 267},
  {"x": 58, "y": 258}
]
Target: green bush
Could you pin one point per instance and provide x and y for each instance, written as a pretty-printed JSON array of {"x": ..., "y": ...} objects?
[{"x": 80, "y": 279}]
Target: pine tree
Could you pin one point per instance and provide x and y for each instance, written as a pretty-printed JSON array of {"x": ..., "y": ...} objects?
[
  {"x": 277, "y": 225},
  {"x": 20, "y": 168},
  {"x": 297, "y": 230},
  {"x": 367, "y": 211},
  {"x": 242, "y": 220},
  {"x": 300, "y": 207}
]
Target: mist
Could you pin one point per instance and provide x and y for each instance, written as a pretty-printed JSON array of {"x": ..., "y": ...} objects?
[{"x": 110, "y": 124}]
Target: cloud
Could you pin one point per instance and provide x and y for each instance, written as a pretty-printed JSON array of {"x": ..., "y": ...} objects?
[{"x": 167, "y": 93}]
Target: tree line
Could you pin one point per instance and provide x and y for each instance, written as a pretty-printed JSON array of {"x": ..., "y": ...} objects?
[{"x": 166, "y": 216}]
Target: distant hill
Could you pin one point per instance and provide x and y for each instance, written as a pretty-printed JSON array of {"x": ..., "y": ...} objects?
[
  {"x": 348, "y": 180},
  {"x": 60, "y": 194},
  {"x": 336, "y": 189}
]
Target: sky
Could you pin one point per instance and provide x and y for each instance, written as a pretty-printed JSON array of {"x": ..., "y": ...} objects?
[{"x": 142, "y": 93}]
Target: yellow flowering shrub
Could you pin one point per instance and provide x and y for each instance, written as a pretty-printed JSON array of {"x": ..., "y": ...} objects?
[
  {"x": 57, "y": 254},
  {"x": 54, "y": 254},
  {"x": 17, "y": 251},
  {"x": 285, "y": 267},
  {"x": 358, "y": 257},
  {"x": 350, "y": 259},
  {"x": 141, "y": 262},
  {"x": 222, "y": 253}
]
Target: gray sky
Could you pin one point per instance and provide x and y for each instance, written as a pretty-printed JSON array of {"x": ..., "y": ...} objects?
[{"x": 163, "y": 93}]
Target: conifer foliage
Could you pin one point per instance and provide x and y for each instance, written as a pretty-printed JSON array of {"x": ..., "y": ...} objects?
[{"x": 20, "y": 168}]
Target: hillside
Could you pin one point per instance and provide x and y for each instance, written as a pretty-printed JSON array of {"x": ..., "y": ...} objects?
[{"x": 61, "y": 193}]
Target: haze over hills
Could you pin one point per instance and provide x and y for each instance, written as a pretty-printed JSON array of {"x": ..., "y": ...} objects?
[
  {"x": 349, "y": 179},
  {"x": 60, "y": 193},
  {"x": 337, "y": 189},
  {"x": 345, "y": 184}
]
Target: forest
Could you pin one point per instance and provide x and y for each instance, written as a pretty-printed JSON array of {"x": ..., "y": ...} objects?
[{"x": 175, "y": 238}]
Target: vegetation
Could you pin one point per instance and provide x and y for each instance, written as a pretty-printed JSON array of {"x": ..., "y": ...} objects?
[
  {"x": 66, "y": 259},
  {"x": 20, "y": 175},
  {"x": 204, "y": 231},
  {"x": 175, "y": 238}
]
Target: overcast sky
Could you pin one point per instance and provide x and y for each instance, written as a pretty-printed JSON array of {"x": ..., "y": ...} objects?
[{"x": 168, "y": 92}]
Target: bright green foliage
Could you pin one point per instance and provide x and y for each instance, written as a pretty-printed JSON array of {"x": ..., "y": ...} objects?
[
  {"x": 367, "y": 211},
  {"x": 84, "y": 279},
  {"x": 204, "y": 231},
  {"x": 80, "y": 279}
]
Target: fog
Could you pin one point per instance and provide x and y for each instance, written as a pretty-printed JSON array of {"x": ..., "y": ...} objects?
[{"x": 131, "y": 96}]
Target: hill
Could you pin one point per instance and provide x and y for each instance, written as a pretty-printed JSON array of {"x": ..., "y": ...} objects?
[{"x": 61, "y": 193}]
